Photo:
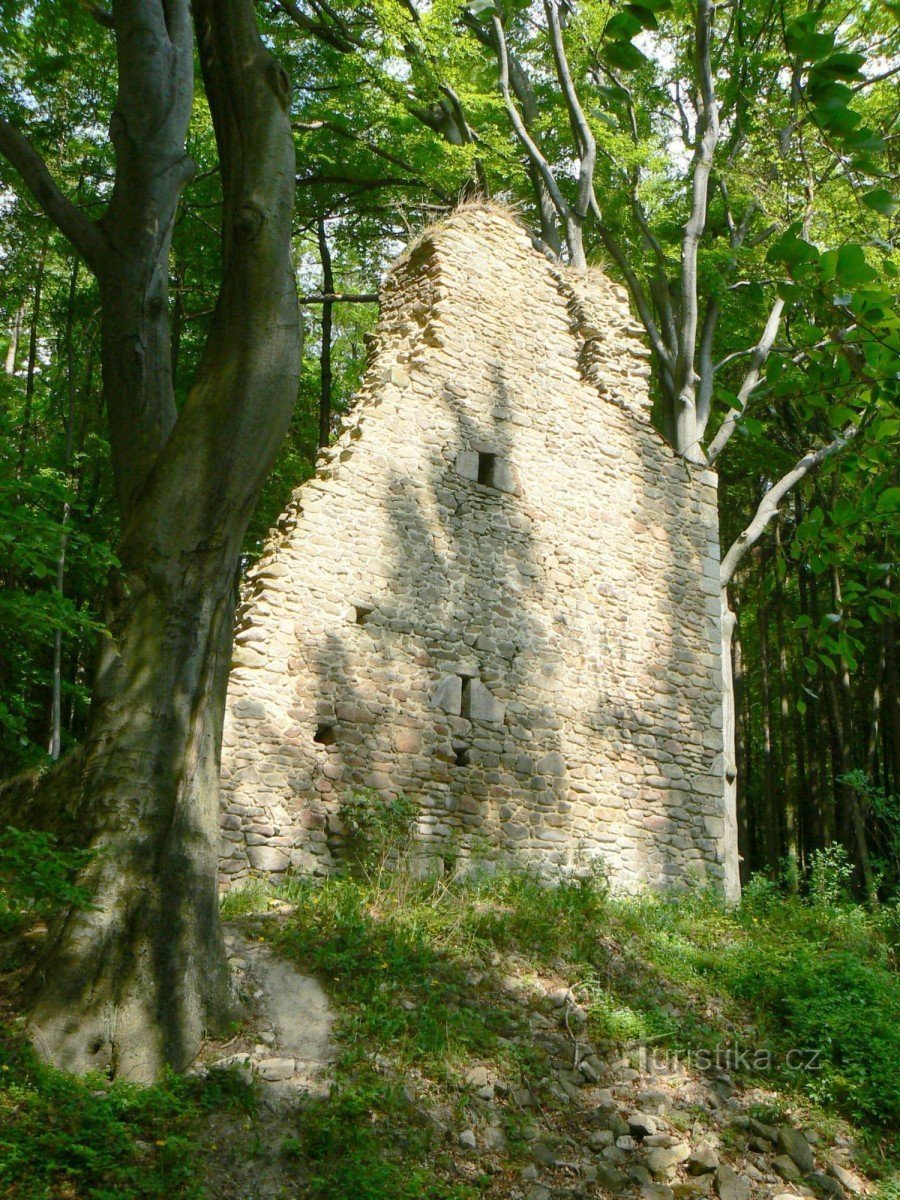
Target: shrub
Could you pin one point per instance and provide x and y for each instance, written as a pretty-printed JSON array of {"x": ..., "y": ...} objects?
[{"x": 36, "y": 877}]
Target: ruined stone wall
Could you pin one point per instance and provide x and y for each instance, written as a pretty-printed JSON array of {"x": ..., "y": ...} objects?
[{"x": 498, "y": 595}]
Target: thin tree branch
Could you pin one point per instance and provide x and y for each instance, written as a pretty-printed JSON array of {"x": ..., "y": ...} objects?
[
  {"x": 531, "y": 148},
  {"x": 342, "y": 298},
  {"x": 84, "y": 235},
  {"x": 758, "y": 360},
  {"x": 768, "y": 506},
  {"x": 637, "y": 292},
  {"x": 584, "y": 136}
]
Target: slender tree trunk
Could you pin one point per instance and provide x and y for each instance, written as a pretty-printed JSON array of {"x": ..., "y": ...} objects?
[
  {"x": 771, "y": 834},
  {"x": 327, "y": 307},
  {"x": 12, "y": 350},
  {"x": 853, "y": 820},
  {"x": 31, "y": 369},
  {"x": 741, "y": 747},
  {"x": 891, "y": 708},
  {"x": 56, "y": 699},
  {"x": 785, "y": 705},
  {"x": 732, "y": 853}
]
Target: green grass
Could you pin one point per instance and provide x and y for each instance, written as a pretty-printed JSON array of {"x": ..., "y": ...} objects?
[
  {"x": 416, "y": 972},
  {"x": 811, "y": 985},
  {"x": 367, "y": 1142}
]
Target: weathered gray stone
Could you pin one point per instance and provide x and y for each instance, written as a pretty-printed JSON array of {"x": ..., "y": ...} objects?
[
  {"x": 793, "y": 1143},
  {"x": 848, "y": 1181},
  {"x": 481, "y": 705},
  {"x": 656, "y": 1191},
  {"x": 730, "y": 1185},
  {"x": 641, "y": 1124},
  {"x": 826, "y": 1185},
  {"x": 703, "y": 1159},
  {"x": 662, "y": 1160},
  {"x": 268, "y": 858},
  {"x": 785, "y": 1167},
  {"x": 611, "y": 1178},
  {"x": 274, "y": 1069},
  {"x": 448, "y": 694}
]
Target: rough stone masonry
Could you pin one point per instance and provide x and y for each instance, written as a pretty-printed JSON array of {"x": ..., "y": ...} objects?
[{"x": 498, "y": 596}]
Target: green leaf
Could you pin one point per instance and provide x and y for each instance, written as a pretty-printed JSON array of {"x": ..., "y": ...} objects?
[
  {"x": 644, "y": 15},
  {"x": 882, "y": 201},
  {"x": 801, "y": 39},
  {"x": 841, "y": 415},
  {"x": 801, "y": 706},
  {"x": 828, "y": 265},
  {"x": 864, "y": 139},
  {"x": 623, "y": 26},
  {"x": 623, "y": 55},
  {"x": 842, "y": 65},
  {"x": 889, "y": 500},
  {"x": 830, "y": 95},
  {"x": 852, "y": 267}
]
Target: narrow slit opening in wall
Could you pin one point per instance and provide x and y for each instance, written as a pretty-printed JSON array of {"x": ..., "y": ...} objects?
[
  {"x": 362, "y": 614},
  {"x": 466, "y": 697},
  {"x": 324, "y": 735},
  {"x": 461, "y": 756},
  {"x": 486, "y": 465}
]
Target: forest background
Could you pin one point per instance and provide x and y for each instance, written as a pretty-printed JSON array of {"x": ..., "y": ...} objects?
[{"x": 601, "y": 147}]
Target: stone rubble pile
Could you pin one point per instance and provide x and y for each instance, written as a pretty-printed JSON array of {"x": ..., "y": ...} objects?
[{"x": 661, "y": 1132}]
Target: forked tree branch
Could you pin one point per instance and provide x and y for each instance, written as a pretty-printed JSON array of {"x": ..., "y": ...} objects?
[
  {"x": 768, "y": 507},
  {"x": 531, "y": 147},
  {"x": 759, "y": 355}
]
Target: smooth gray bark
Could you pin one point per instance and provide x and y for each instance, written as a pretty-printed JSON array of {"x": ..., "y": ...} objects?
[{"x": 129, "y": 985}]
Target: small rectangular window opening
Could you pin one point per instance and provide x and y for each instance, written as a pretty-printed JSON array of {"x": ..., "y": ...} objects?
[
  {"x": 461, "y": 755},
  {"x": 466, "y": 699},
  {"x": 324, "y": 735},
  {"x": 486, "y": 464},
  {"x": 362, "y": 614}
]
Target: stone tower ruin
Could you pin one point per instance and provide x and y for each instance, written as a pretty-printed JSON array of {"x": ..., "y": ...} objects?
[{"x": 498, "y": 595}]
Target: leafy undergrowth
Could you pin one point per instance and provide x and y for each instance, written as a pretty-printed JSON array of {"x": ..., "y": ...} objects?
[
  {"x": 432, "y": 978},
  {"x": 805, "y": 994},
  {"x": 67, "y": 1138},
  {"x": 795, "y": 996}
]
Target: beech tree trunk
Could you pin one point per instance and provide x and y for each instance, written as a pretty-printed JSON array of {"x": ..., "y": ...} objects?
[{"x": 129, "y": 985}]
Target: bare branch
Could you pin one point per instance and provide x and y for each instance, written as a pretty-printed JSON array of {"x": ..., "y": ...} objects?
[
  {"x": 524, "y": 93},
  {"x": 84, "y": 235},
  {"x": 758, "y": 360},
  {"x": 339, "y": 37},
  {"x": 707, "y": 138},
  {"x": 637, "y": 293},
  {"x": 768, "y": 506},
  {"x": 101, "y": 15},
  {"x": 584, "y": 137},
  {"x": 531, "y": 148},
  {"x": 342, "y": 298}
]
